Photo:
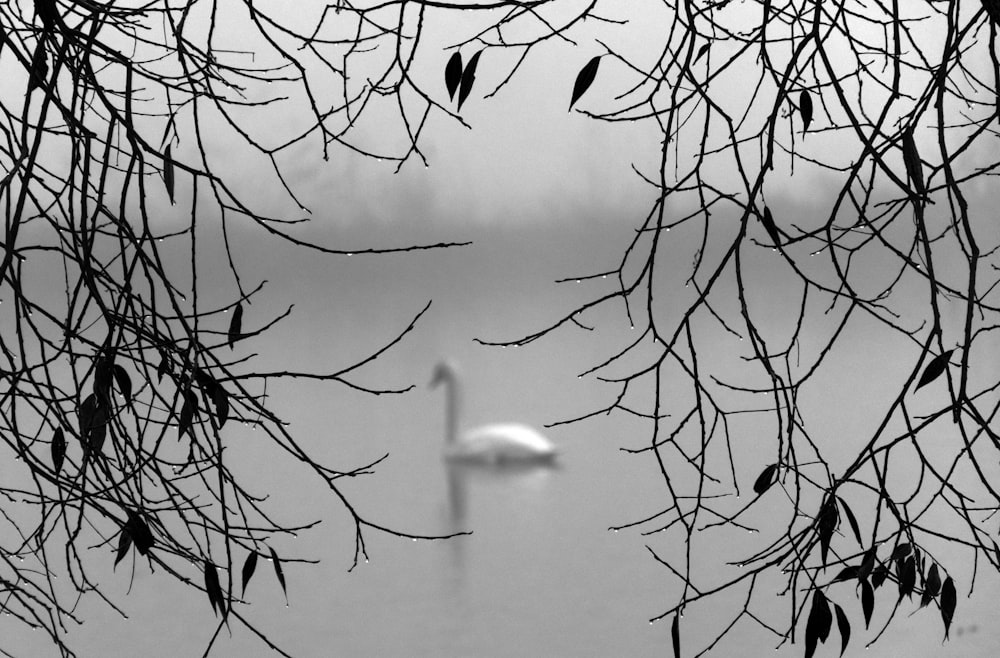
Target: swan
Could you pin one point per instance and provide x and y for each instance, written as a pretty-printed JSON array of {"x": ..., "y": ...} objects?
[{"x": 492, "y": 444}]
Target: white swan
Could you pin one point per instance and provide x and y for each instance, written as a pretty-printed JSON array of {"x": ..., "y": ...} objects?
[{"x": 507, "y": 442}]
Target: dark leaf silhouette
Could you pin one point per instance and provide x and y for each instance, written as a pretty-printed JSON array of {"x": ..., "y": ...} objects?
[
  {"x": 675, "y": 635},
  {"x": 163, "y": 367},
  {"x": 933, "y": 584},
  {"x": 188, "y": 410},
  {"x": 168, "y": 172},
  {"x": 911, "y": 160},
  {"x": 58, "y": 448},
  {"x": 124, "y": 543},
  {"x": 214, "y": 589},
  {"x": 453, "y": 74},
  {"x": 249, "y": 566},
  {"x": 468, "y": 78},
  {"x": 278, "y": 572},
  {"x": 867, "y": 601},
  {"x": 847, "y": 573},
  {"x": 879, "y": 576},
  {"x": 819, "y": 622},
  {"x": 235, "y": 325},
  {"x": 992, "y": 8},
  {"x": 772, "y": 230},
  {"x": 124, "y": 382},
  {"x": 102, "y": 378},
  {"x": 766, "y": 478},
  {"x": 806, "y": 109},
  {"x": 826, "y": 525},
  {"x": 935, "y": 368},
  {"x": 907, "y": 574},
  {"x": 901, "y": 551},
  {"x": 584, "y": 79},
  {"x": 93, "y": 424},
  {"x": 844, "y": 626},
  {"x": 39, "y": 67},
  {"x": 218, "y": 395},
  {"x": 701, "y": 52},
  {"x": 851, "y": 519},
  {"x": 948, "y": 601},
  {"x": 141, "y": 535},
  {"x": 867, "y": 564}
]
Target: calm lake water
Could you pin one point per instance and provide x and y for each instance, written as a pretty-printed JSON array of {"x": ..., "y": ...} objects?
[{"x": 542, "y": 574}]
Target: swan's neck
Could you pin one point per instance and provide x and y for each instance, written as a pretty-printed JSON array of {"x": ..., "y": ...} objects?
[{"x": 453, "y": 404}]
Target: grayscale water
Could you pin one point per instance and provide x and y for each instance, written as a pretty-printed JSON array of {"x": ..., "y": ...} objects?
[{"x": 541, "y": 575}]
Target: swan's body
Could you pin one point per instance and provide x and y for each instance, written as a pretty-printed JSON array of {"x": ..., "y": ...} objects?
[{"x": 505, "y": 442}]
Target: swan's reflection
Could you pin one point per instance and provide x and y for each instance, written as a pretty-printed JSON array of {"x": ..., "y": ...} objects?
[{"x": 523, "y": 476}]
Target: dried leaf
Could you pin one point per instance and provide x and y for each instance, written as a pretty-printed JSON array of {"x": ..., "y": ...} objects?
[
  {"x": 675, "y": 635},
  {"x": 851, "y": 519},
  {"x": 948, "y": 600},
  {"x": 236, "y": 325},
  {"x": 867, "y": 601},
  {"x": 772, "y": 230},
  {"x": 249, "y": 566},
  {"x": 453, "y": 74},
  {"x": 168, "y": 172},
  {"x": 124, "y": 543},
  {"x": 214, "y": 589},
  {"x": 164, "y": 366},
  {"x": 911, "y": 160},
  {"x": 766, "y": 478},
  {"x": 124, "y": 382},
  {"x": 806, "y": 109},
  {"x": 935, "y": 368},
  {"x": 58, "y": 450},
  {"x": 468, "y": 78},
  {"x": 844, "y": 627},
  {"x": 584, "y": 79},
  {"x": 278, "y": 572}
]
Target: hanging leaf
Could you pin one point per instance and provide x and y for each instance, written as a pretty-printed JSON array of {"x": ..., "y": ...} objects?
[
  {"x": 124, "y": 543},
  {"x": 236, "y": 325},
  {"x": 102, "y": 378},
  {"x": 847, "y": 573},
  {"x": 867, "y": 564},
  {"x": 819, "y": 622},
  {"x": 806, "y": 109},
  {"x": 141, "y": 535},
  {"x": 278, "y": 572},
  {"x": 826, "y": 525},
  {"x": 844, "y": 627},
  {"x": 879, "y": 576},
  {"x": 453, "y": 74},
  {"x": 584, "y": 79},
  {"x": 768, "y": 221},
  {"x": 867, "y": 601},
  {"x": 851, "y": 519},
  {"x": 701, "y": 52},
  {"x": 214, "y": 589},
  {"x": 911, "y": 160},
  {"x": 164, "y": 366},
  {"x": 188, "y": 411},
  {"x": 213, "y": 391},
  {"x": 93, "y": 424},
  {"x": 766, "y": 478},
  {"x": 123, "y": 382},
  {"x": 468, "y": 78},
  {"x": 675, "y": 635},
  {"x": 39, "y": 68},
  {"x": 933, "y": 584},
  {"x": 948, "y": 600},
  {"x": 907, "y": 575},
  {"x": 935, "y": 368},
  {"x": 992, "y": 8},
  {"x": 249, "y": 566},
  {"x": 168, "y": 172},
  {"x": 58, "y": 450},
  {"x": 901, "y": 551}
]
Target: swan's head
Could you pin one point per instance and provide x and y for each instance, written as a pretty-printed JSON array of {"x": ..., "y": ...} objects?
[{"x": 444, "y": 371}]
